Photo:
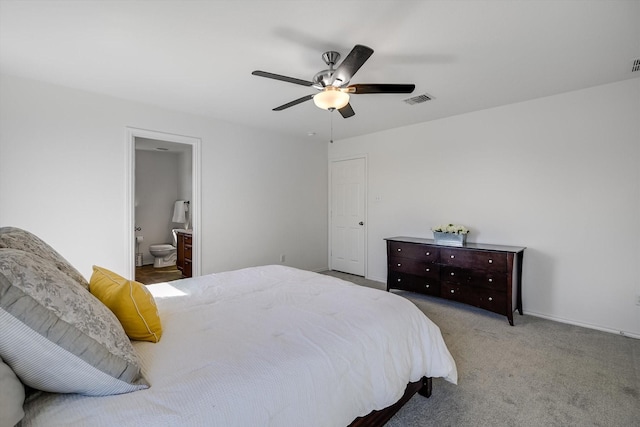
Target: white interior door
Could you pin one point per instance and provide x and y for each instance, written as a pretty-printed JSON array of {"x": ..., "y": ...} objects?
[{"x": 348, "y": 216}]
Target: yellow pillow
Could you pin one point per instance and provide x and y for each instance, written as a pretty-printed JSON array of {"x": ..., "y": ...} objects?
[{"x": 130, "y": 301}]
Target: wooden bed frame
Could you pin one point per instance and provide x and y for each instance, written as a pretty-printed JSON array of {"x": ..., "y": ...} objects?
[{"x": 379, "y": 418}]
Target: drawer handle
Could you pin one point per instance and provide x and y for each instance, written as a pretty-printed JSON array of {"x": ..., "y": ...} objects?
[
  {"x": 452, "y": 291},
  {"x": 490, "y": 261},
  {"x": 399, "y": 265},
  {"x": 427, "y": 269},
  {"x": 427, "y": 253},
  {"x": 453, "y": 274},
  {"x": 453, "y": 256},
  {"x": 490, "y": 299},
  {"x": 490, "y": 280},
  {"x": 399, "y": 280},
  {"x": 426, "y": 286},
  {"x": 399, "y": 250}
]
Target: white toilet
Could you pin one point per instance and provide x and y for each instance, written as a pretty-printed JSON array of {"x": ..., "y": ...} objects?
[{"x": 165, "y": 254}]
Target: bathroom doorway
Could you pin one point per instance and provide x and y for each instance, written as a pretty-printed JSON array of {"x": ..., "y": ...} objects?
[
  {"x": 163, "y": 169},
  {"x": 163, "y": 178}
]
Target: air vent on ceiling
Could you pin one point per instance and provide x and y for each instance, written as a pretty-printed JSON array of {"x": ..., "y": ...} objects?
[
  {"x": 636, "y": 65},
  {"x": 418, "y": 99}
]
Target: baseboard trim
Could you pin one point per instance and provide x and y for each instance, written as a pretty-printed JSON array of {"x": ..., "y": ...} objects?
[
  {"x": 582, "y": 324},
  {"x": 376, "y": 279}
]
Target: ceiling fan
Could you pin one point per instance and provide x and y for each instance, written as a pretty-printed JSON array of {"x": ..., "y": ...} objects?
[{"x": 333, "y": 84}]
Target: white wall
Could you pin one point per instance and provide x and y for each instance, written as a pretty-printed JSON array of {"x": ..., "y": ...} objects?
[
  {"x": 559, "y": 175},
  {"x": 62, "y": 176},
  {"x": 158, "y": 178},
  {"x": 185, "y": 172}
]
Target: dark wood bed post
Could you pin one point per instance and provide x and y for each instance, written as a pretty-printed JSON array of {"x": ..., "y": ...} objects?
[
  {"x": 425, "y": 390},
  {"x": 380, "y": 418}
]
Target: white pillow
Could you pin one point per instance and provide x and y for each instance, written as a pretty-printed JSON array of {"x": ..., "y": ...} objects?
[{"x": 12, "y": 392}]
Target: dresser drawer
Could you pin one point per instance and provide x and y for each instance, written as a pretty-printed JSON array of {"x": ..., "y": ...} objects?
[
  {"x": 413, "y": 266},
  {"x": 427, "y": 285},
  {"x": 397, "y": 280},
  {"x": 414, "y": 251},
  {"x": 457, "y": 275},
  {"x": 489, "y": 280},
  {"x": 491, "y": 300},
  {"x": 474, "y": 279},
  {"x": 455, "y": 292},
  {"x": 408, "y": 282},
  {"x": 486, "y": 299},
  {"x": 477, "y": 260}
]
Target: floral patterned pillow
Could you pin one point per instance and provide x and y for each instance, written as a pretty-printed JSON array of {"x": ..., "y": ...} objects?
[
  {"x": 16, "y": 238},
  {"x": 56, "y": 336}
]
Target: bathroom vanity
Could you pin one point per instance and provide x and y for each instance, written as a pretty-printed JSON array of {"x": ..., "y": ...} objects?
[{"x": 184, "y": 253}]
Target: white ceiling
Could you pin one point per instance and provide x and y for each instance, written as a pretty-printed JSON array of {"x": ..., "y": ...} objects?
[
  {"x": 146, "y": 144},
  {"x": 197, "y": 56}
]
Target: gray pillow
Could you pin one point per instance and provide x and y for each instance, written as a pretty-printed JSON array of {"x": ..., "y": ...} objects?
[
  {"x": 56, "y": 336},
  {"x": 12, "y": 392},
  {"x": 16, "y": 238}
]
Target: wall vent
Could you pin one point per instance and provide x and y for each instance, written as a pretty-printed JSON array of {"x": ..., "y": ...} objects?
[
  {"x": 636, "y": 65},
  {"x": 418, "y": 99}
]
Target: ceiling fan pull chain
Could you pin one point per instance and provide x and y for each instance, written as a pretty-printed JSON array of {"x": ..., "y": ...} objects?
[{"x": 331, "y": 114}]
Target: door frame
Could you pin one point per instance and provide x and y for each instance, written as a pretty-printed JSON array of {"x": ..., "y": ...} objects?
[
  {"x": 130, "y": 190},
  {"x": 365, "y": 213}
]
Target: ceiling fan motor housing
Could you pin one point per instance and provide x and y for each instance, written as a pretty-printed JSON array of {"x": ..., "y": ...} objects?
[
  {"x": 322, "y": 79},
  {"x": 325, "y": 77},
  {"x": 331, "y": 58}
]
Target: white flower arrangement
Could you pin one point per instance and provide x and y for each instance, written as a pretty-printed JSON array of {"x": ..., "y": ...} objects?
[{"x": 451, "y": 228}]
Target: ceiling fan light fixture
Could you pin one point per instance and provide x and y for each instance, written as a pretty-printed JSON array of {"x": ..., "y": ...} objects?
[{"x": 331, "y": 98}]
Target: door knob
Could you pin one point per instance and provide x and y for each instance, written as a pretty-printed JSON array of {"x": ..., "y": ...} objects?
[{"x": 361, "y": 223}]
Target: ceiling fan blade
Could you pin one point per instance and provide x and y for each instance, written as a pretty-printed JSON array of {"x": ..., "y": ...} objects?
[
  {"x": 380, "y": 88},
  {"x": 292, "y": 103},
  {"x": 347, "y": 111},
  {"x": 352, "y": 63},
  {"x": 282, "y": 78}
]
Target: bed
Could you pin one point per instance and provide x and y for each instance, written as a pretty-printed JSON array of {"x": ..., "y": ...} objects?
[{"x": 266, "y": 346}]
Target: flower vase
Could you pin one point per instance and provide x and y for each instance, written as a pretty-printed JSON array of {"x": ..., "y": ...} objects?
[{"x": 449, "y": 239}]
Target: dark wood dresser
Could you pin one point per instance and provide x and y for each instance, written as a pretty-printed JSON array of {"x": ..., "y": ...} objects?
[
  {"x": 482, "y": 275},
  {"x": 184, "y": 253}
]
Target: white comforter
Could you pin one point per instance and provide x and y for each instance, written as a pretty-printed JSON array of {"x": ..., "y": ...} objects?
[{"x": 267, "y": 346}]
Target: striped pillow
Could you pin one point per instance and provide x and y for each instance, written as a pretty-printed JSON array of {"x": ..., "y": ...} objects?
[
  {"x": 12, "y": 392},
  {"x": 58, "y": 337}
]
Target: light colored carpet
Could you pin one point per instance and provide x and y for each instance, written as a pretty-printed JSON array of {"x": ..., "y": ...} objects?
[{"x": 536, "y": 373}]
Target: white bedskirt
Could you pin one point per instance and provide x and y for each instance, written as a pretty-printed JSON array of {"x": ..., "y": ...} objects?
[{"x": 266, "y": 346}]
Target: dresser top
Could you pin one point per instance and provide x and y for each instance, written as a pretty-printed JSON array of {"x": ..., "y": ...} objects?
[{"x": 477, "y": 246}]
